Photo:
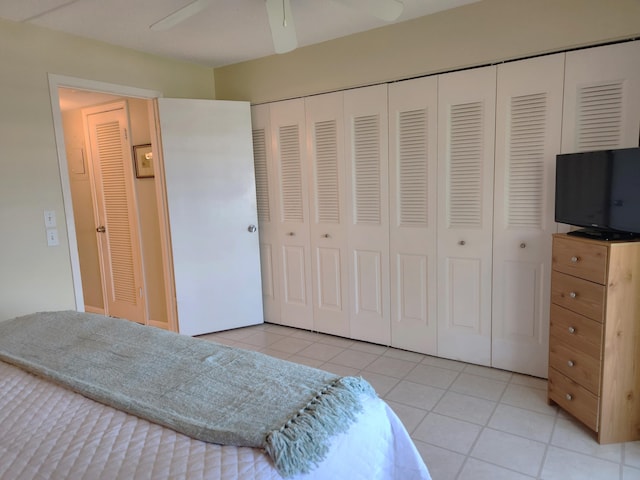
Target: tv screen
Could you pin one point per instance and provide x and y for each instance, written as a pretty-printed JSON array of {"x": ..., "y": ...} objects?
[{"x": 599, "y": 191}]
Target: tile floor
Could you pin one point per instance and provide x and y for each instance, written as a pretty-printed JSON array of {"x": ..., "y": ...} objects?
[{"x": 467, "y": 421}]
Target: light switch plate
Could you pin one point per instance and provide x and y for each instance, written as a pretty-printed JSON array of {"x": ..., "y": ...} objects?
[
  {"x": 52, "y": 237},
  {"x": 50, "y": 218}
]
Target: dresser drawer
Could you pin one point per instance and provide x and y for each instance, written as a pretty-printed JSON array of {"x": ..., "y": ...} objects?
[
  {"x": 576, "y": 330},
  {"x": 580, "y": 296},
  {"x": 575, "y": 364},
  {"x": 575, "y": 399},
  {"x": 581, "y": 259}
]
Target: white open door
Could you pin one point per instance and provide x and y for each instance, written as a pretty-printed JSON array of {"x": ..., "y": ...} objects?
[{"x": 211, "y": 201}]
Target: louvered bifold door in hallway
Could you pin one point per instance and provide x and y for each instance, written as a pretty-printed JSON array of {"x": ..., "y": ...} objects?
[
  {"x": 366, "y": 139},
  {"x": 602, "y": 98},
  {"x": 466, "y": 126},
  {"x": 325, "y": 143},
  {"x": 290, "y": 160},
  {"x": 267, "y": 211},
  {"x": 116, "y": 211},
  {"x": 528, "y": 122},
  {"x": 412, "y": 213}
]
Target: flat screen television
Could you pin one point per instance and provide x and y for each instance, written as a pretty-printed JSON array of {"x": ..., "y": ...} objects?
[{"x": 599, "y": 191}]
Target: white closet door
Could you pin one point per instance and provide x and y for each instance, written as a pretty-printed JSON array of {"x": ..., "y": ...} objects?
[
  {"x": 289, "y": 150},
  {"x": 267, "y": 211},
  {"x": 528, "y": 122},
  {"x": 211, "y": 199},
  {"x": 466, "y": 126},
  {"x": 366, "y": 139},
  {"x": 602, "y": 98},
  {"x": 117, "y": 229},
  {"x": 412, "y": 190},
  {"x": 325, "y": 143}
]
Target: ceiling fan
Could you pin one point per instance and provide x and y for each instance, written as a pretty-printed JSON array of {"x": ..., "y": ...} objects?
[{"x": 281, "y": 20}]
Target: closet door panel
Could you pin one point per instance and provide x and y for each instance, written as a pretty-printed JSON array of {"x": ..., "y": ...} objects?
[
  {"x": 266, "y": 184},
  {"x": 466, "y": 132},
  {"x": 528, "y": 123},
  {"x": 602, "y": 98},
  {"x": 412, "y": 213},
  {"x": 290, "y": 160},
  {"x": 366, "y": 140},
  {"x": 328, "y": 230}
]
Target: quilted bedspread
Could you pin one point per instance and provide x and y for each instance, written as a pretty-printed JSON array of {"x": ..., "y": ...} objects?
[
  {"x": 207, "y": 391},
  {"x": 49, "y": 432}
]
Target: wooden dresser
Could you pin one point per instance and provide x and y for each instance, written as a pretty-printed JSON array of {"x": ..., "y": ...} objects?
[{"x": 594, "y": 343}]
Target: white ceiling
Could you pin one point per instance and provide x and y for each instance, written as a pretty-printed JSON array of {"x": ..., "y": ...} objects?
[{"x": 226, "y": 32}]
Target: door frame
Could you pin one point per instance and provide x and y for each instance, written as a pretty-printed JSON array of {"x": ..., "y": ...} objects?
[{"x": 61, "y": 81}]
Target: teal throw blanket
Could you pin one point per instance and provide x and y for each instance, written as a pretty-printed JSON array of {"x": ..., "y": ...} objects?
[{"x": 207, "y": 391}]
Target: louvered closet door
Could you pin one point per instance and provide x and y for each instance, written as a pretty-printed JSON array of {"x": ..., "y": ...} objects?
[
  {"x": 116, "y": 211},
  {"x": 366, "y": 139},
  {"x": 528, "y": 122},
  {"x": 602, "y": 98},
  {"x": 267, "y": 211},
  {"x": 325, "y": 143},
  {"x": 466, "y": 125},
  {"x": 412, "y": 192},
  {"x": 287, "y": 138}
]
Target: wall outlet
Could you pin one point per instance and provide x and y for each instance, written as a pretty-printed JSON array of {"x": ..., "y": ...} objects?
[{"x": 52, "y": 237}]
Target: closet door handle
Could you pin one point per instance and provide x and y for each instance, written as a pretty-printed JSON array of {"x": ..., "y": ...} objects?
[
  {"x": 101, "y": 229},
  {"x": 252, "y": 228}
]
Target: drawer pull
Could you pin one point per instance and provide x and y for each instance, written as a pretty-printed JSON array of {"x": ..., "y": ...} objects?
[
  {"x": 462, "y": 242},
  {"x": 570, "y": 363},
  {"x": 572, "y": 330},
  {"x": 568, "y": 396},
  {"x": 291, "y": 234},
  {"x": 573, "y": 294},
  {"x": 523, "y": 245},
  {"x": 575, "y": 259}
]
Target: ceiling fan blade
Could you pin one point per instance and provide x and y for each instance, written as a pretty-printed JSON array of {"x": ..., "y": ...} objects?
[
  {"x": 180, "y": 15},
  {"x": 283, "y": 30},
  {"x": 387, "y": 10}
]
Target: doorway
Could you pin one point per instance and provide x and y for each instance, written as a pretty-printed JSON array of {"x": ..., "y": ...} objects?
[{"x": 69, "y": 96}]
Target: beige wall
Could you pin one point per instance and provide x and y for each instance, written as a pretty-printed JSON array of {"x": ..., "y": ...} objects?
[
  {"x": 481, "y": 33},
  {"x": 34, "y": 277},
  {"x": 80, "y": 183}
]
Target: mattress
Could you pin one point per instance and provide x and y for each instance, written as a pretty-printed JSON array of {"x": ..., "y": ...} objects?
[{"x": 49, "y": 432}]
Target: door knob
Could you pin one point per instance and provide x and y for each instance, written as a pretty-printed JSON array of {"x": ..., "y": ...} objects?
[
  {"x": 101, "y": 229},
  {"x": 251, "y": 228}
]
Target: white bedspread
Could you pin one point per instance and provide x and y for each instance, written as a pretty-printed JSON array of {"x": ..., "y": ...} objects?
[{"x": 48, "y": 432}]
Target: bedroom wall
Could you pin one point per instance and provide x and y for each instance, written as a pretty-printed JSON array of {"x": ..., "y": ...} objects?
[
  {"x": 33, "y": 276},
  {"x": 481, "y": 33}
]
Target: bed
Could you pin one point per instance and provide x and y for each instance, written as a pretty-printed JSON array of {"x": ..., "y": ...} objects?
[{"x": 86, "y": 396}]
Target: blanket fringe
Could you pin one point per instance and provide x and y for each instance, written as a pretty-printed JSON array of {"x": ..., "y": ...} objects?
[{"x": 303, "y": 442}]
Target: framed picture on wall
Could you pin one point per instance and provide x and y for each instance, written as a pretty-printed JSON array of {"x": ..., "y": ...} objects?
[{"x": 143, "y": 160}]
